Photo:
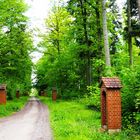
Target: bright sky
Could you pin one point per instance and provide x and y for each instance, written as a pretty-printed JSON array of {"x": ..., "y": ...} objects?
[{"x": 38, "y": 11}]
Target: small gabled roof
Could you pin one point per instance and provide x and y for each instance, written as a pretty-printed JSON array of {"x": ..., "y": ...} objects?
[
  {"x": 2, "y": 87},
  {"x": 113, "y": 82}
]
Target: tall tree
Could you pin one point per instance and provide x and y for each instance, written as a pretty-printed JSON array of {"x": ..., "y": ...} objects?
[
  {"x": 55, "y": 43},
  {"x": 138, "y": 1},
  {"x": 15, "y": 46},
  {"x": 129, "y": 31},
  {"x": 87, "y": 24},
  {"x": 105, "y": 31},
  {"x": 83, "y": 5},
  {"x": 133, "y": 26}
]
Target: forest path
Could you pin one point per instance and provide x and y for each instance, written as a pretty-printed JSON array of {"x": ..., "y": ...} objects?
[{"x": 31, "y": 123}]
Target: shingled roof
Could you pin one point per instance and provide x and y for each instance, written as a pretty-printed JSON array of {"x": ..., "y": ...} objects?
[{"x": 111, "y": 82}]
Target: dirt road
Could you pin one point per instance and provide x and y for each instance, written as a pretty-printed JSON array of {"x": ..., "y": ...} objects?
[{"x": 31, "y": 123}]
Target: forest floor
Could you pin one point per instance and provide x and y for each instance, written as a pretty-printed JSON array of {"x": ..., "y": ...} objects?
[
  {"x": 74, "y": 120},
  {"x": 31, "y": 123},
  {"x": 69, "y": 120}
]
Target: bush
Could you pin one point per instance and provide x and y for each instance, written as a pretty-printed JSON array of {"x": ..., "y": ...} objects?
[
  {"x": 92, "y": 99},
  {"x": 12, "y": 106},
  {"x": 130, "y": 97},
  {"x": 137, "y": 114}
]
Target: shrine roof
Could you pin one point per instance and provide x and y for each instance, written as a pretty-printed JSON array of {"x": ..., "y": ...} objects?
[{"x": 112, "y": 82}]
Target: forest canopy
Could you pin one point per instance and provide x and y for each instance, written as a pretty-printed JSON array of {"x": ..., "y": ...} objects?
[
  {"x": 15, "y": 47},
  {"x": 85, "y": 40}
]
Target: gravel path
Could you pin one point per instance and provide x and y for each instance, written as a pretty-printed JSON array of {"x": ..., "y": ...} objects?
[{"x": 31, "y": 123}]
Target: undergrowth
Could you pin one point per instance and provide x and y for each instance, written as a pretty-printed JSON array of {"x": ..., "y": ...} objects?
[
  {"x": 12, "y": 106},
  {"x": 73, "y": 120}
]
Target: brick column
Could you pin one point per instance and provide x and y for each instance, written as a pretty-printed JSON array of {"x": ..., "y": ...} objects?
[
  {"x": 111, "y": 104},
  {"x": 113, "y": 110},
  {"x": 2, "y": 94},
  {"x": 54, "y": 94},
  {"x": 17, "y": 94}
]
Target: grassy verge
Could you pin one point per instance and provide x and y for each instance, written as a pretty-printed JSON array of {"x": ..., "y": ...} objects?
[
  {"x": 72, "y": 120},
  {"x": 12, "y": 106}
]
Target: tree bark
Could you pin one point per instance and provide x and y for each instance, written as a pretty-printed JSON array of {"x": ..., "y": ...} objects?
[
  {"x": 138, "y": 1},
  {"x": 99, "y": 34},
  {"x": 58, "y": 46},
  {"x": 129, "y": 33},
  {"x": 130, "y": 50},
  {"x": 88, "y": 64},
  {"x": 105, "y": 33},
  {"x": 99, "y": 31}
]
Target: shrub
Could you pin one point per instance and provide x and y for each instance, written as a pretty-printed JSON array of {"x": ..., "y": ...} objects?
[
  {"x": 92, "y": 99},
  {"x": 130, "y": 97},
  {"x": 12, "y": 106}
]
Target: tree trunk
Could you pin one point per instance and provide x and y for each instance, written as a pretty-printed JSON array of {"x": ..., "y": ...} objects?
[
  {"x": 129, "y": 33},
  {"x": 138, "y": 1},
  {"x": 58, "y": 46},
  {"x": 88, "y": 64},
  {"x": 99, "y": 31},
  {"x": 105, "y": 33},
  {"x": 99, "y": 34},
  {"x": 130, "y": 50}
]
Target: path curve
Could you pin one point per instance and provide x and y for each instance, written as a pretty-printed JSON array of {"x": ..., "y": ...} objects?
[{"x": 31, "y": 123}]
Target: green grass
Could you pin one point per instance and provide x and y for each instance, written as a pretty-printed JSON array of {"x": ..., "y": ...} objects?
[
  {"x": 12, "y": 106},
  {"x": 72, "y": 120}
]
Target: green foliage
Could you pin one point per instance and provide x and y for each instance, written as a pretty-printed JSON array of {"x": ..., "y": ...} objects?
[
  {"x": 130, "y": 96},
  {"x": 130, "y": 77},
  {"x": 15, "y": 47},
  {"x": 34, "y": 92},
  {"x": 66, "y": 59},
  {"x": 73, "y": 120},
  {"x": 92, "y": 99},
  {"x": 59, "y": 67},
  {"x": 73, "y": 59},
  {"x": 137, "y": 112},
  {"x": 72, "y": 62},
  {"x": 12, "y": 106}
]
